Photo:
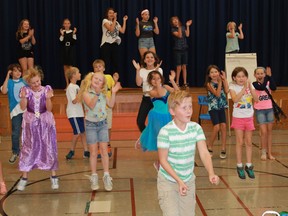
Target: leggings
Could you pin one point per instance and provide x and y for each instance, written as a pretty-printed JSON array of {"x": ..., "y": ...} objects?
[{"x": 145, "y": 106}]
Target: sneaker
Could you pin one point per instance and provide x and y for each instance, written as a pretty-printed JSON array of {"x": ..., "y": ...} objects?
[
  {"x": 109, "y": 150},
  {"x": 70, "y": 155},
  {"x": 13, "y": 158},
  {"x": 86, "y": 154},
  {"x": 250, "y": 171},
  {"x": 108, "y": 185},
  {"x": 3, "y": 189},
  {"x": 241, "y": 173},
  {"x": 210, "y": 152},
  {"x": 223, "y": 154},
  {"x": 94, "y": 182},
  {"x": 54, "y": 183},
  {"x": 22, "y": 184}
]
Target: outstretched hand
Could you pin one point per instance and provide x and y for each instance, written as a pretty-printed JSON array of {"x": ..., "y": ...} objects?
[
  {"x": 158, "y": 65},
  {"x": 116, "y": 87},
  {"x": 136, "y": 65}
]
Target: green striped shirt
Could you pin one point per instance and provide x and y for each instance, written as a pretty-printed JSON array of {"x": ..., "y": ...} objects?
[{"x": 181, "y": 147}]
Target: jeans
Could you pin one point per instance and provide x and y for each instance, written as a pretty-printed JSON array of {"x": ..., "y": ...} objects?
[{"x": 16, "y": 133}]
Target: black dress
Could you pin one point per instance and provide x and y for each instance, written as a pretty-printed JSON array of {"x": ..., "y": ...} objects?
[{"x": 68, "y": 48}]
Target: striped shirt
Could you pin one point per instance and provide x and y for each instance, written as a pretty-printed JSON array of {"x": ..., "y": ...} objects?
[{"x": 181, "y": 147}]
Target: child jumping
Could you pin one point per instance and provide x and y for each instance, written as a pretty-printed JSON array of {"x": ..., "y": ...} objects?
[
  {"x": 217, "y": 88},
  {"x": 75, "y": 112},
  {"x": 242, "y": 93},
  {"x": 177, "y": 143}
]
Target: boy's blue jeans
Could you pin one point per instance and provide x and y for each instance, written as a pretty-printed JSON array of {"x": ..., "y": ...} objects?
[{"x": 16, "y": 133}]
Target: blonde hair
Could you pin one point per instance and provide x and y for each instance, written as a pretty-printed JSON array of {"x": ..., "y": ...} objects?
[
  {"x": 71, "y": 71},
  {"x": 86, "y": 84},
  {"x": 177, "y": 97},
  {"x": 31, "y": 73},
  {"x": 98, "y": 61},
  {"x": 233, "y": 23}
]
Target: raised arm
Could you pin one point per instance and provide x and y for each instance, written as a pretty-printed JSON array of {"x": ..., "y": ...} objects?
[
  {"x": 4, "y": 88},
  {"x": 111, "y": 102},
  {"x": 241, "y": 35},
  {"x": 138, "y": 79},
  {"x": 123, "y": 28},
  {"x": 187, "y": 30},
  {"x": 156, "y": 28}
]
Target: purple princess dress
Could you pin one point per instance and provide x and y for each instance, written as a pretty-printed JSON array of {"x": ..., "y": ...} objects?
[{"x": 39, "y": 143}]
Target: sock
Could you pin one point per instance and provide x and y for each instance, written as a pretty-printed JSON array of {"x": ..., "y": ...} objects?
[
  {"x": 95, "y": 174},
  {"x": 248, "y": 164},
  {"x": 240, "y": 165},
  {"x": 25, "y": 179},
  {"x": 54, "y": 176},
  {"x": 263, "y": 151},
  {"x": 106, "y": 173}
]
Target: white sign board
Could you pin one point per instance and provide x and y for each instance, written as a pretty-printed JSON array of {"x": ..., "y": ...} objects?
[{"x": 246, "y": 60}]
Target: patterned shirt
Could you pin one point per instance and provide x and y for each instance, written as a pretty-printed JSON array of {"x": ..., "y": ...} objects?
[
  {"x": 181, "y": 147},
  {"x": 214, "y": 102},
  {"x": 98, "y": 113}
]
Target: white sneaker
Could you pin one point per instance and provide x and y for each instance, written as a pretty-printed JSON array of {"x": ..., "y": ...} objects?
[
  {"x": 108, "y": 185},
  {"x": 94, "y": 182},
  {"x": 13, "y": 158},
  {"x": 21, "y": 185},
  {"x": 54, "y": 183}
]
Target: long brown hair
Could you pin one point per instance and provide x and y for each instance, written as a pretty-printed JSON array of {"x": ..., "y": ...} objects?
[{"x": 19, "y": 30}]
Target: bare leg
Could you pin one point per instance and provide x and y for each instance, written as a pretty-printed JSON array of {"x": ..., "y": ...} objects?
[
  {"x": 239, "y": 143},
  {"x": 142, "y": 51},
  {"x": 93, "y": 157},
  {"x": 269, "y": 141},
  {"x": 213, "y": 137},
  {"x": 104, "y": 156},
  {"x": 74, "y": 141},
  {"x": 248, "y": 144},
  {"x": 223, "y": 135},
  {"x": 178, "y": 71},
  {"x": 263, "y": 140},
  {"x": 24, "y": 65},
  {"x": 1, "y": 173},
  {"x": 184, "y": 73},
  {"x": 153, "y": 50},
  {"x": 30, "y": 63},
  {"x": 84, "y": 143}
]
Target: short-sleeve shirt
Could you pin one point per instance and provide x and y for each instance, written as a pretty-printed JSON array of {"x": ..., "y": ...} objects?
[
  {"x": 179, "y": 43},
  {"x": 73, "y": 110},
  {"x": 232, "y": 44},
  {"x": 244, "y": 107},
  {"x": 144, "y": 74},
  {"x": 146, "y": 29},
  {"x": 108, "y": 36},
  {"x": 181, "y": 147}
]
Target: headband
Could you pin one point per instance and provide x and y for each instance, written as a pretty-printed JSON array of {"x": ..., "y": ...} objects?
[{"x": 144, "y": 11}]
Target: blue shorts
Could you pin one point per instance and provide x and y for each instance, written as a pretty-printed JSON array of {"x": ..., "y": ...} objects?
[
  {"x": 180, "y": 57},
  {"x": 146, "y": 43},
  {"x": 96, "y": 132},
  {"x": 218, "y": 116},
  {"x": 77, "y": 124},
  {"x": 265, "y": 116}
]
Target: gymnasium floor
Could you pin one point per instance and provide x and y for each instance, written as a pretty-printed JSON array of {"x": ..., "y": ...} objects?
[{"x": 134, "y": 179}]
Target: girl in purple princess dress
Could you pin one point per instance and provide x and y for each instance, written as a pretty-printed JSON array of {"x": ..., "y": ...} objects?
[{"x": 39, "y": 144}]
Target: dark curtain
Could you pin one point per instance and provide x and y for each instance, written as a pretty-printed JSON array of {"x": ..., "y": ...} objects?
[{"x": 265, "y": 26}]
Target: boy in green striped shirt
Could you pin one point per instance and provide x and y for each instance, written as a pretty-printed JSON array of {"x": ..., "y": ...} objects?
[{"x": 177, "y": 143}]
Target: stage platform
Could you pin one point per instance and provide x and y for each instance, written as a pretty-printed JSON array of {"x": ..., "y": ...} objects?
[{"x": 124, "y": 113}]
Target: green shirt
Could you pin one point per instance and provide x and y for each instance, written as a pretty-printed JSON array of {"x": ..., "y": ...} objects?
[{"x": 181, "y": 147}]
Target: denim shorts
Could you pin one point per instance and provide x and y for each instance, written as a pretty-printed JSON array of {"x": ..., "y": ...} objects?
[
  {"x": 146, "y": 43},
  {"x": 265, "y": 116},
  {"x": 96, "y": 132},
  {"x": 180, "y": 57},
  {"x": 218, "y": 116}
]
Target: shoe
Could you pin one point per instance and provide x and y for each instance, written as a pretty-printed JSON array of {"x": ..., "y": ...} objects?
[
  {"x": 109, "y": 150},
  {"x": 13, "y": 158},
  {"x": 3, "y": 189},
  {"x": 241, "y": 173},
  {"x": 137, "y": 144},
  {"x": 250, "y": 171},
  {"x": 210, "y": 152},
  {"x": 94, "y": 182},
  {"x": 263, "y": 156},
  {"x": 70, "y": 155},
  {"x": 223, "y": 154},
  {"x": 185, "y": 86},
  {"x": 108, "y": 185},
  {"x": 54, "y": 183},
  {"x": 22, "y": 184},
  {"x": 86, "y": 154}
]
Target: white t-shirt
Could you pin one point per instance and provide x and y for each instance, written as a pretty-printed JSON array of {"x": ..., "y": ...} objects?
[
  {"x": 145, "y": 85},
  {"x": 244, "y": 107},
  {"x": 108, "y": 36},
  {"x": 73, "y": 110}
]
